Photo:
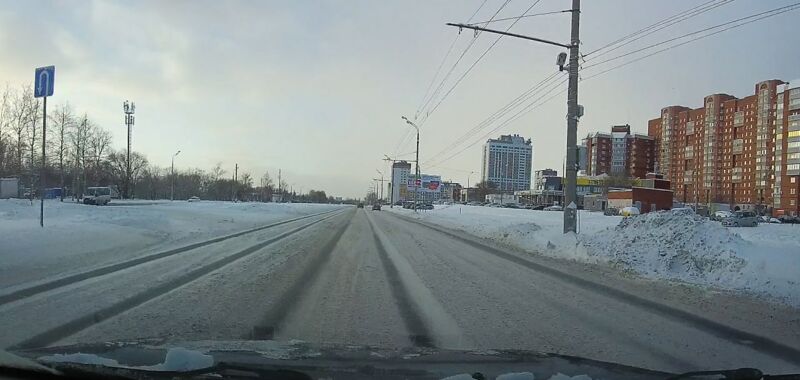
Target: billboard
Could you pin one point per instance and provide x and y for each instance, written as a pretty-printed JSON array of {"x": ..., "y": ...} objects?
[{"x": 426, "y": 184}]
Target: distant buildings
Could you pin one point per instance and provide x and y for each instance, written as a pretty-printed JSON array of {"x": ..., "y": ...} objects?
[
  {"x": 401, "y": 174},
  {"x": 507, "y": 163},
  {"x": 620, "y": 153},
  {"x": 740, "y": 152}
]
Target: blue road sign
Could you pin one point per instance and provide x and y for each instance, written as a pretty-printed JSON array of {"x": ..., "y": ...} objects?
[{"x": 45, "y": 80}]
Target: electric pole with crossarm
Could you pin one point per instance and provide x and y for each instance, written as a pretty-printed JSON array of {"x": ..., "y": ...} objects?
[{"x": 574, "y": 111}]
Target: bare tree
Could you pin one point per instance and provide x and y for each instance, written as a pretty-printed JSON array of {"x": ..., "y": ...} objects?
[
  {"x": 99, "y": 144},
  {"x": 5, "y": 122},
  {"x": 79, "y": 139},
  {"x": 63, "y": 122},
  {"x": 19, "y": 116}
]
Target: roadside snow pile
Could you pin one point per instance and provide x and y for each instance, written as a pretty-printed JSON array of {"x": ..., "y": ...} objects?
[{"x": 674, "y": 244}]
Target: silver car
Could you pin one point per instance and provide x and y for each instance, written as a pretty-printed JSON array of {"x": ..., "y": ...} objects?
[{"x": 741, "y": 219}]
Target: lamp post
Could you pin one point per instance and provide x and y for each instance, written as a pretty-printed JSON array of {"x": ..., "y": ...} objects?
[
  {"x": 172, "y": 185},
  {"x": 129, "y": 108},
  {"x": 381, "y": 173},
  {"x": 468, "y": 175},
  {"x": 416, "y": 162}
]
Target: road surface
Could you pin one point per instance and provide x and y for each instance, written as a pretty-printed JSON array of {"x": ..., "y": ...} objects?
[{"x": 357, "y": 276}]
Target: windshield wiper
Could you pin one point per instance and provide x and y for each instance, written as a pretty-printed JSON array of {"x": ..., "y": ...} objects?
[{"x": 736, "y": 374}]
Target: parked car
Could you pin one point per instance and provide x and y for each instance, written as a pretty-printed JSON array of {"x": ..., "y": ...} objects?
[
  {"x": 360, "y": 205},
  {"x": 629, "y": 211},
  {"x": 538, "y": 207},
  {"x": 376, "y": 207},
  {"x": 408, "y": 204},
  {"x": 721, "y": 215},
  {"x": 789, "y": 219},
  {"x": 775, "y": 221},
  {"x": 611, "y": 211},
  {"x": 194, "y": 199},
  {"x": 553, "y": 208},
  {"x": 741, "y": 219},
  {"x": 97, "y": 196},
  {"x": 511, "y": 205}
]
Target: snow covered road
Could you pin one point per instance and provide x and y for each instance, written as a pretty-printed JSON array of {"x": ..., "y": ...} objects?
[{"x": 356, "y": 276}]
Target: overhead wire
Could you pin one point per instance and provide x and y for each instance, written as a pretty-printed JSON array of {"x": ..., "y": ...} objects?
[
  {"x": 750, "y": 19},
  {"x": 630, "y": 41},
  {"x": 453, "y": 67},
  {"x": 649, "y": 27},
  {"x": 518, "y": 17},
  {"x": 530, "y": 107},
  {"x": 427, "y": 114},
  {"x": 497, "y": 114}
]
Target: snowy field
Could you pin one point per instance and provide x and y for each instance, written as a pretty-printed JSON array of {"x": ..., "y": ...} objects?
[
  {"x": 672, "y": 245},
  {"x": 78, "y": 236}
]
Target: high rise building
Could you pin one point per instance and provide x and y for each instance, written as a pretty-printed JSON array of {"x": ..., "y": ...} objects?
[
  {"x": 620, "y": 153},
  {"x": 401, "y": 173},
  {"x": 734, "y": 151},
  {"x": 507, "y": 163}
]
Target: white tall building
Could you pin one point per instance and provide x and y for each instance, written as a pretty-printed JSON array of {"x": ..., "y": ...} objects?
[
  {"x": 507, "y": 162},
  {"x": 401, "y": 173}
]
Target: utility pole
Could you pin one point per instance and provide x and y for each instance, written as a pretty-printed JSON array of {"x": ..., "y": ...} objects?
[
  {"x": 172, "y": 185},
  {"x": 573, "y": 109},
  {"x": 416, "y": 163},
  {"x": 279, "y": 185},
  {"x": 235, "y": 181},
  {"x": 468, "y": 175},
  {"x": 382, "y": 180},
  {"x": 129, "y": 108}
]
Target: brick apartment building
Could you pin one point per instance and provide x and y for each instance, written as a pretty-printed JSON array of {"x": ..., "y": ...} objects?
[
  {"x": 741, "y": 152},
  {"x": 620, "y": 153}
]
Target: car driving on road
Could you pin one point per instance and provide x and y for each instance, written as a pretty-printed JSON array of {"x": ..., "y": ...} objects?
[{"x": 97, "y": 196}]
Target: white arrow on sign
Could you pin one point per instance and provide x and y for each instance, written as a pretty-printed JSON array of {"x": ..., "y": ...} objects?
[{"x": 46, "y": 82}]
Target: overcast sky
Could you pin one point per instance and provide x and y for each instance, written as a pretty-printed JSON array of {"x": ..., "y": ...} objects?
[{"x": 317, "y": 88}]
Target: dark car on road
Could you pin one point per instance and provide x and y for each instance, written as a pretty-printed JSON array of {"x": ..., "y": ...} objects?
[
  {"x": 360, "y": 205},
  {"x": 376, "y": 207}
]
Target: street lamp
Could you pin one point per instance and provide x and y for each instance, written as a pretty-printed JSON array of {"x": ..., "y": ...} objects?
[
  {"x": 468, "y": 175},
  {"x": 416, "y": 162},
  {"x": 381, "y": 173},
  {"x": 172, "y": 186}
]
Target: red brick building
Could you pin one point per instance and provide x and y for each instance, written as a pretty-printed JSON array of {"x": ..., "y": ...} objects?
[
  {"x": 619, "y": 152},
  {"x": 733, "y": 151}
]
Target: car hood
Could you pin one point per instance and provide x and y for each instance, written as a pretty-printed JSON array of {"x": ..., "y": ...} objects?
[{"x": 327, "y": 360}]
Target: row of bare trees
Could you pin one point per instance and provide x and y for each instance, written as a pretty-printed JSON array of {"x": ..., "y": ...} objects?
[{"x": 80, "y": 155}]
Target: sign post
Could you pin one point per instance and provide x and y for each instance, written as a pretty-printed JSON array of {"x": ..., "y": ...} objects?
[{"x": 45, "y": 78}]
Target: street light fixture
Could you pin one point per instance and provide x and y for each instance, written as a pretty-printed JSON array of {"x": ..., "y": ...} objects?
[
  {"x": 416, "y": 162},
  {"x": 381, "y": 173},
  {"x": 468, "y": 175},
  {"x": 172, "y": 186}
]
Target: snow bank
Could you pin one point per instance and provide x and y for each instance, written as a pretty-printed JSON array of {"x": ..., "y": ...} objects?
[
  {"x": 77, "y": 237},
  {"x": 674, "y": 245}
]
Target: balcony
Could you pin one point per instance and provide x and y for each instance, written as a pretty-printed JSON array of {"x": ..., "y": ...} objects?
[
  {"x": 736, "y": 175},
  {"x": 738, "y": 146},
  {"x": 738, "y": 119}
]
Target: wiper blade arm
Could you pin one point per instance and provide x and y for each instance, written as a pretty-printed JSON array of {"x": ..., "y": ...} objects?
[{"x": 736, "y": 374}]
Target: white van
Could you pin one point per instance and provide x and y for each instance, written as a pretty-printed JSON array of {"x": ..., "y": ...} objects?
[{"x": 97, "y": 196}]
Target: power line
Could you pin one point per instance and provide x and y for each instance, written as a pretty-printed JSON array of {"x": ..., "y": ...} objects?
[
  {"x": 444, "y": 59},
  {"x": 473, "y": 65},
  {"x": 519, "y": 17},
  {"x": 649, "y": 27},
  {"x": 699, "y": 12},
  {"x": 463, "y": 53},
  {"x": 530, "y": 107},
  {"x": 498, "y": 114},
  {"x": 758, "y": 17}
]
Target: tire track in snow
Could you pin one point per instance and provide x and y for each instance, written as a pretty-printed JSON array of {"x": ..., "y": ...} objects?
[
  {"x": 78, "y": 277},
  {"x": 55, "y": 334},
  {"x": 426, "y": 319},
  {"x": 734, "y": 335},
  {"x": 270, "y": 323}
]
